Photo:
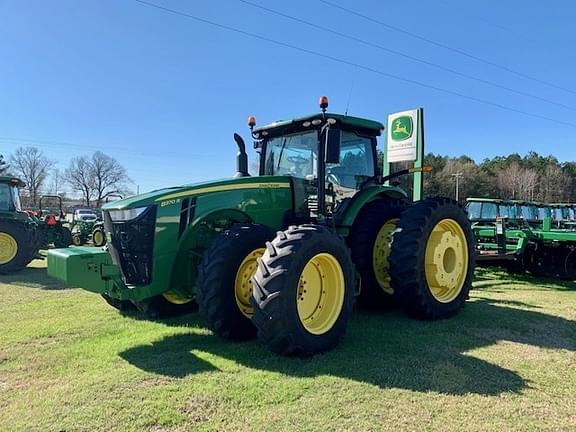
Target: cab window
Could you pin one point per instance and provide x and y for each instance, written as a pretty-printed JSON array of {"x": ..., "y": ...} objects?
[
  {"x": 489, "y": 211},
  {"x": 293, "y": 155},
  {"x": 5, "y": 198}
]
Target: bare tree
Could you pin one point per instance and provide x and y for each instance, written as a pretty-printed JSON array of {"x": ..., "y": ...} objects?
[
  {"x": 528, "y": 181},
  {"x": 97, "y": 177},
  {"x": 33, "y": 167},
  {"x": 555, "y": 184},
  {"x": 79, "y": 176},
  {"x": 56, "y": 181},
  {"x": 108, "y": 177}
]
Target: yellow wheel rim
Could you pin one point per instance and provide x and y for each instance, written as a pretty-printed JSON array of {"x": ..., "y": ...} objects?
[
  {"x": 98, "y": 237},
  {"x": 243, "y": 282},
  {"x": 8, "y": 248},
  {"x": 320, "y": 293},
  {"x": 446, "y": 260},
  {"x": 381, "y": 253},
  {"x": 175, "y": 298}
]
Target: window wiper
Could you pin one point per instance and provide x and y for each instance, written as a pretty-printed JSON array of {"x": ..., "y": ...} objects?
[{"x": 281, "y": 151}]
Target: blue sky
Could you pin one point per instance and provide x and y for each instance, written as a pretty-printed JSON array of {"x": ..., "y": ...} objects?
[{"x": 164, "y": 94}]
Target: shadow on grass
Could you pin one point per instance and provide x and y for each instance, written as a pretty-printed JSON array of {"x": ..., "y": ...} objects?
[
  {"x": 34, "y": 277},
  {"x": 386, "y": 350},
  {"x": 488, "y": 277}
]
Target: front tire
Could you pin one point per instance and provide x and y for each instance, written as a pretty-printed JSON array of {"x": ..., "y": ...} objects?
[
  {"x": 224, "y": 280},
  {"x": 98, "y": 237},
  {"x": 15, "y": 247},
  {"x": 432, "y": 259},
  {"x": 303, "y": 291}
]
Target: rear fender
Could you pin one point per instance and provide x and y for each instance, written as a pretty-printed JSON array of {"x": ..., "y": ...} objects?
[{"x": 348, "y": 214}]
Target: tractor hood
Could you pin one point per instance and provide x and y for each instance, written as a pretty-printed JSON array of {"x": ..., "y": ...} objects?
[{"x": 162, "y": 196}]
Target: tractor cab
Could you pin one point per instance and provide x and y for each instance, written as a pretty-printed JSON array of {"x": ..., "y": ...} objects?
[
  {"x": 9, "y": 195},
  {"x": 485, "y": 210},
  {"x": 330, "y": 157}
]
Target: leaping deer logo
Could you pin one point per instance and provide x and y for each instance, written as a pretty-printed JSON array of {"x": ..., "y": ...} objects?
[{"x": 400, "y": 128}]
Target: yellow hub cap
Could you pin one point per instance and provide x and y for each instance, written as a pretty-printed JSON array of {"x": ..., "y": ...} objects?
[
  {"x": 98, "y": 237},
  {"x": 243, "y": 282},
  {"x": 381, "y": 253},
  {"x": 175, "y": 298},
  {"x": 320, "y": 293},
  {"x": 446, "y": 260},
  {"x": 8, "y": 248}
]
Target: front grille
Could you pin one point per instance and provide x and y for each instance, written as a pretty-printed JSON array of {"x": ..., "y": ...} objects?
[{"x": 132, "y": 246}]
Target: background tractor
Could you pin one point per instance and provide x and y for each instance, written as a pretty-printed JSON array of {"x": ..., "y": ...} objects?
[
  {"x": 52, "y": 226},
  {"x": 522, "y": 236},
  {"x": 284, "y": 255},
  {"x": 19, "y": 235}
]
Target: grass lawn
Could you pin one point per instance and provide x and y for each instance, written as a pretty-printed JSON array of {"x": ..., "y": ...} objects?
[{"x": 70, "y": 362}]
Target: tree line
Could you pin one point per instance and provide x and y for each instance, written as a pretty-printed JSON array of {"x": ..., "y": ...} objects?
[
  {"x": 95, "y": 177},
  {"x": 531, "y": 177}
]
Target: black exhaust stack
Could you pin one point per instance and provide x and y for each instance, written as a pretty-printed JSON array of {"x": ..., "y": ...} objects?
[{"x": 241, "y": 158}]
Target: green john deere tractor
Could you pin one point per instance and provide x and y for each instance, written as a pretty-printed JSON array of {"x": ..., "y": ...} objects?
[
  {"x": 283, "y": 255},
  {"x": 19, "y": 238},
  {"x": 55, "y": 233},
  {"x": 525, "y": 236}
]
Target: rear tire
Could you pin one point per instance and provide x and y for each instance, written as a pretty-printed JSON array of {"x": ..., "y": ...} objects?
[
  {"x": 370, "y": 240},
  {"x": 303, "y": 269},
  {"x": 432, "y": 259},
  {"x": 63, "y": 237},
  {"x": 16, "y": 244},
  {"x": 224, "y": 280}
]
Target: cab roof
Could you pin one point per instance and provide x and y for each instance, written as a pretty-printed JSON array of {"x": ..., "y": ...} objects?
[
  {"x": 12, "y": 180},
  {"x": 368, "y": 126}
]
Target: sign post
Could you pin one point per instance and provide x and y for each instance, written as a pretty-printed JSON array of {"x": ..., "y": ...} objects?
[{"x": 405, "y": 143}]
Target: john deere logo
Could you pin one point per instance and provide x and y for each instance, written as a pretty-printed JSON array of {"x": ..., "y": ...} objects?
[{"x": 402, "y": 128}]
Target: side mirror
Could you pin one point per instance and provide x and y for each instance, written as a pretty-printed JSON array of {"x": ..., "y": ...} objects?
[{"x": 333, "y": 138}]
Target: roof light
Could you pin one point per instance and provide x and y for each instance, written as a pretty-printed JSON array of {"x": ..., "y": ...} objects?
[
  {"x": 316, "y": 122},
  {"x": 306, "y": 124},
  {"x": 331, "y": 121},
  {"x": 251, "y": 121},
  {"x": 323, "y": 102}
]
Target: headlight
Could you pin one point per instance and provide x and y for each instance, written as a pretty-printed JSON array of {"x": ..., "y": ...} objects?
[{"x": 126, "y": 214}]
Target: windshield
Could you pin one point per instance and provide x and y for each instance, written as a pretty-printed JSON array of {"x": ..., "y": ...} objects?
[
  {"x": 528, "y": 212},
  {"x": 543, "y": 212},
  {"x": 293, "y": 155},
  {"x": 504, "y": 211},
  {"x": 9, "y": 198},
  {"x": 474, "y": 210},
  {"x": 489, "y": 211},
  {"x": 557, "y": 214},
  {"x": 88, "y": 212}
]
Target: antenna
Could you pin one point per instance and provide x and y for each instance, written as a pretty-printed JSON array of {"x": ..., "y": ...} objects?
[{"x": 354, "y": 77}]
